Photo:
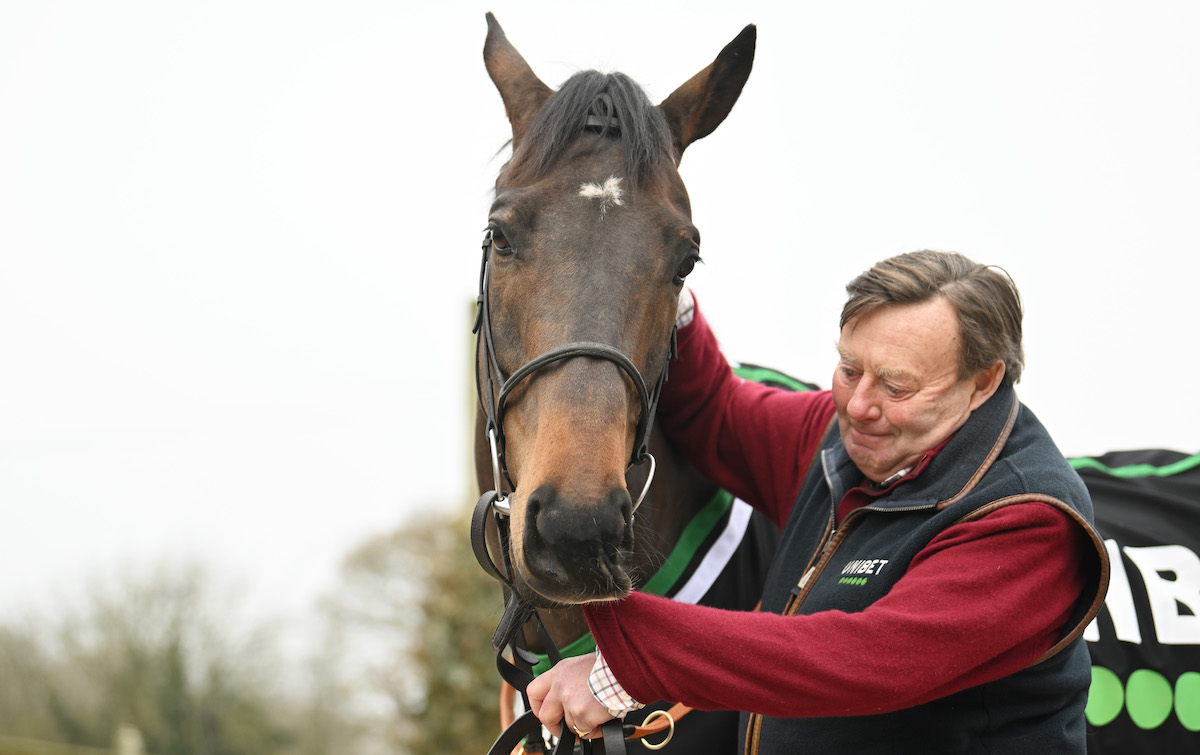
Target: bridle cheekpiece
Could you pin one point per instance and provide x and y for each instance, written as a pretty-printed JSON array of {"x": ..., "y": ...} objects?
[{"x": 494, "y": 402}]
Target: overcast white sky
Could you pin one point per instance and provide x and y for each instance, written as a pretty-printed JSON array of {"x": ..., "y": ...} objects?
[{"x": 239, "y": 240}]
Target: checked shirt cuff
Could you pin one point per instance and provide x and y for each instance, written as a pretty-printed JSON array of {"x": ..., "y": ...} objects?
[{"x": 608, "y": 691}]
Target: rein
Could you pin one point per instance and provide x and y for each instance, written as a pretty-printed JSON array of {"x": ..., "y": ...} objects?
[{"x": 493, "y": 388}]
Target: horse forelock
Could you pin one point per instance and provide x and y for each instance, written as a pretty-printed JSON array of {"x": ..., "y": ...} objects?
[{"x": 642, "y": 130}]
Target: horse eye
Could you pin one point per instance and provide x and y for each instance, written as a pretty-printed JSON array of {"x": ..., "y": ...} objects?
[
  {"x": 499, "y": 242},
  {"x": 685, "y": 269}
]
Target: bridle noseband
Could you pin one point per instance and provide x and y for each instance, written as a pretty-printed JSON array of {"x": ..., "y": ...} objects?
[{"x": 494, "y": 403}]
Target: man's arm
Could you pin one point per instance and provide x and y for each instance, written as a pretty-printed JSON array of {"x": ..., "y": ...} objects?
[
  {"x": 750, "y": 439},
  {"x": 984, "y": 600}
]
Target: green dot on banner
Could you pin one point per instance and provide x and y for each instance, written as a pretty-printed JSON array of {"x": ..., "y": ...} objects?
[
  {"x": 1187, "y": 700},
  {"x": 1105, "y": 698},
  {"x": 1148, "y": 698}
]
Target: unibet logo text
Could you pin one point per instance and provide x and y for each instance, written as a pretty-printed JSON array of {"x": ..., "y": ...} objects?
[{"x": 855, "y": 572}]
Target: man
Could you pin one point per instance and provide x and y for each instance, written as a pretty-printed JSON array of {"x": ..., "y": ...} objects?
[{"x": 938, "y": 562}]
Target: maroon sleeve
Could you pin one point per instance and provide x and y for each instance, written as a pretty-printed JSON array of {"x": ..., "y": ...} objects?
[
  {"x": 753, "y": 440},
  {"x": 983, "y": 600}
]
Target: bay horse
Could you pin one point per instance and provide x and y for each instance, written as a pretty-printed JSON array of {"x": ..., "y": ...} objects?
[{"x": 588, "y": 243}]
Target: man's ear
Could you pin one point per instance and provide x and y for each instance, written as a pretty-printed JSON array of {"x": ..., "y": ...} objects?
[{"x": 986, "y": 381}]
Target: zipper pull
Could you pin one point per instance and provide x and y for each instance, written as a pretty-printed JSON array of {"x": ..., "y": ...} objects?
[{"x": 803, "y": 580}]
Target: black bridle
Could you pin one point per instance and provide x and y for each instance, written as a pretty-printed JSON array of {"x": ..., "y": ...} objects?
[
  {"x": 494, "y": 403},
  {"x": 493, "y": 504}
]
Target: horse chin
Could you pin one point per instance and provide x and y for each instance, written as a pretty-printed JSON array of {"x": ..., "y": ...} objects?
[{"x": 554, "y": 593}]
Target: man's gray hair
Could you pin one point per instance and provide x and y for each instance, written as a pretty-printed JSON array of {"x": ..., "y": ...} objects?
[{"x": 985, "y": 297}]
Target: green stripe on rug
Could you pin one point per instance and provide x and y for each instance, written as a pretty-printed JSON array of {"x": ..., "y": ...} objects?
[
  {"x": 694, "y": 535},
  {"x": 1137, "y": 470}
]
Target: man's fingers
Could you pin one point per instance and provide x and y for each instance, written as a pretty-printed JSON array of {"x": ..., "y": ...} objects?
[
  {"x": 537, "y": 691},
  {"x": 544, "y": 703},
  {"x": 561, "y": 698}
]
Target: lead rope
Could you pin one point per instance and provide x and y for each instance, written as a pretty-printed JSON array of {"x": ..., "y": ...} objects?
[{"x": 656, "y": 722}]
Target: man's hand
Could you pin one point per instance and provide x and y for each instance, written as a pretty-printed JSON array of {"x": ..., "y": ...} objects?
[{"x": 562, "y": 693}]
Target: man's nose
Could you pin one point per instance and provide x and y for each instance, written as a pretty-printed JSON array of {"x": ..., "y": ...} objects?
[{"x": 864, "y": 404}]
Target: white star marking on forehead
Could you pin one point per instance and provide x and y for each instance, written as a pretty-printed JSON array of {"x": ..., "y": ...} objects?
[{"x": 609, "y": 193}]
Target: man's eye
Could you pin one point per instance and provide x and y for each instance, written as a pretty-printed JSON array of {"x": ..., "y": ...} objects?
[{"x": 895, "y": 391}]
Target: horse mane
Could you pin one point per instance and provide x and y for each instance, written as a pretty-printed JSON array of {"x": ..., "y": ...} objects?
[{"x": 642, "y": 129}]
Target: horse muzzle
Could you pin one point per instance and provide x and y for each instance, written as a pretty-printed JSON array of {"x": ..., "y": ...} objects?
[{"x": 569, "y": 552}]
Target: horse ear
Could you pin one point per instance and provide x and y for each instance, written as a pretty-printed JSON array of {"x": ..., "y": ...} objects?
[
  {"x": 695, "y": 109},
  {"x": 520, "y": 88}
]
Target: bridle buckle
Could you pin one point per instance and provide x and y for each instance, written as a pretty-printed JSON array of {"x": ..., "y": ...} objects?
[{"x": 500, "y": 504}]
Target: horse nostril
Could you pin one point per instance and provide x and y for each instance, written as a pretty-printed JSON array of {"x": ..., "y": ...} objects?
[
  {"x": 620, "y": 501},
  {"x": 579, "y": 531}
]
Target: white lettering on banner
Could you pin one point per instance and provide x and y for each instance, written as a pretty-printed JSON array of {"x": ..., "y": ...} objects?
[{"x": 1172, "y": 576}]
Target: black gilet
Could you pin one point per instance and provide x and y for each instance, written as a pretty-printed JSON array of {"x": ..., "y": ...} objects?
[{"x": 1001, "y": 456}]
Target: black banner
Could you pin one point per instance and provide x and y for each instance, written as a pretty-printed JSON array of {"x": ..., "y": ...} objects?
[{"x": 1145, "y": 643}]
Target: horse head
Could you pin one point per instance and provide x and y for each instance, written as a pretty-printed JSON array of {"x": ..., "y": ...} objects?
[{"x": 588, "y": 242}]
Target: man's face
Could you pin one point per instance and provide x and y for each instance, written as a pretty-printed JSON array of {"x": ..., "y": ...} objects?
[{"x": 896, "y": 386}]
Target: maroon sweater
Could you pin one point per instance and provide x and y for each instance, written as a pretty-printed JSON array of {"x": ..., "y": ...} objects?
[{"x": 948, "y": 624}]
